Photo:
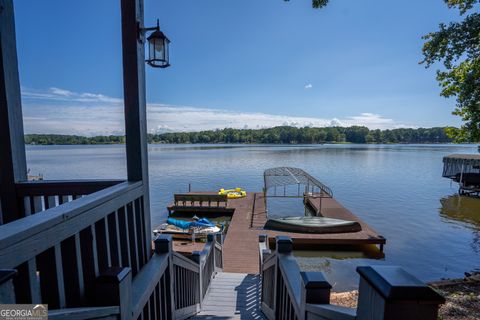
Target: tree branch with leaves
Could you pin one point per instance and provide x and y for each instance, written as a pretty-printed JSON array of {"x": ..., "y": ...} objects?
[{"x": 457, "y": 47}]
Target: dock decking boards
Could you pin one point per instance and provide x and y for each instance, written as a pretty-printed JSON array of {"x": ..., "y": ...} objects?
[
  {"x": 232, "y": 296},
  {"x": 240, "y": 254}
]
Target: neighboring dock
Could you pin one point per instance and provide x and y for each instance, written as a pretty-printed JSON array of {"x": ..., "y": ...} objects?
[{"x": 248, "y": 218}]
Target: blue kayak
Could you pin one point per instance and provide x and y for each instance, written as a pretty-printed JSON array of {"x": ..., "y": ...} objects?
[{"x": 182, "y": 224}]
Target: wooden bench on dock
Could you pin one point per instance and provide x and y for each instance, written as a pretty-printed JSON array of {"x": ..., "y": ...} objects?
[{"x": 199, "y": 202}]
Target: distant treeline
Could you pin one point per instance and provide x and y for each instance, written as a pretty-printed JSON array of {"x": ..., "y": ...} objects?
[
  {"x": 46, "y": 139},
  {"x": 284, "y": 134}
]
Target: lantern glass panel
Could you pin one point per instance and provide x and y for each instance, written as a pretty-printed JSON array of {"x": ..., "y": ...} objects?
[
  {"x": 159, "y": 48},
  {"x": 151, "y": 50},
  {"x": 165, "y": 46}
]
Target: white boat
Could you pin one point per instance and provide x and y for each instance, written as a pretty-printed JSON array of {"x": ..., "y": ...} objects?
[{"x": 185, "y": 234}]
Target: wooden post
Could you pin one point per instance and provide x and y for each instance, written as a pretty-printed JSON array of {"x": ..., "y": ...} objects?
[
  {"x": 163, "y": 244},
  {"x": 7, "y": 292},
  {"x": 391, "y": 293},
  {"x": 114, "y": 288},
  {"x": 133, "y": 50},
  {"x": 197, "y": 257},
  {"x": 284, "y": 244},
  {"x": 12, "y": 147},
  {"x": 263, "y": 250},
  {"x": 211, "y": 241},
  {"x": 319, "y": 211},
  {"x": 316, "y": 289}
]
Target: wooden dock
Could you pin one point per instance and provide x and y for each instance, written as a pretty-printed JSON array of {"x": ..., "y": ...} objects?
[{"x": 249, "y": 217}]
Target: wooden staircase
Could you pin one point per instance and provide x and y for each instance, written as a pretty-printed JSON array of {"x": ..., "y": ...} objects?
[{"x": 232, "y": 296}]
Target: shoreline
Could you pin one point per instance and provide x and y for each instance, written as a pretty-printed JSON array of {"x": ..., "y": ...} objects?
[{"x": 258, "y": 144}]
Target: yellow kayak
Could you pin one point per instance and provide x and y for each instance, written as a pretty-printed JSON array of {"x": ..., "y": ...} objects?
[{"x": 233, "y": 193}]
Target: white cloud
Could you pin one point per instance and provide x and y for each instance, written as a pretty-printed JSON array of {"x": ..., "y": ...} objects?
[
  {"x": 308, "y": 86},
  {"x": 66, "y": 112}
]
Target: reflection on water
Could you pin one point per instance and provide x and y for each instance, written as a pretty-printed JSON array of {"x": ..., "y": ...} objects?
[
  {"x": 396, "y": 189},
  {"x": 339, "y": 263},
  {"x": 461, "y": 209},
  {"x": 465, "y": 211}
]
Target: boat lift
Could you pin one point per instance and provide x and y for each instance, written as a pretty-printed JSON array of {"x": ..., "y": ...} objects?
[
  {"x": 464, "y": 169},
  {"x": 289, "y": 182}
]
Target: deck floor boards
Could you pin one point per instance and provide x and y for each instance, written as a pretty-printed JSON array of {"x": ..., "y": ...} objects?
[
  {"x": 240, "y": 249},
  {"x": 232, "y": 296}
]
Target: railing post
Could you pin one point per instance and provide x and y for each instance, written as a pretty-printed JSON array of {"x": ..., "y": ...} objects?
[
  {"x": 219, "y": 240},
  {"x": 114, "y": 287},
  {"x": 264, "y": 252},
  {"x": 391, "y": 293},
  {"x": 163, "y": 244},
  {"x": 7, "y": 292},
  {"x": 284, "y": 244},
  {"x": 219, "y": 237},
  {"x": 315, "y": 290},
  {"x": 211, "y": 240},
  {"x": 197, "y": 257}
]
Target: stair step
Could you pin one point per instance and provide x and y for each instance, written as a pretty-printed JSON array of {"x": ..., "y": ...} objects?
[{"x": 232, "y": 296}]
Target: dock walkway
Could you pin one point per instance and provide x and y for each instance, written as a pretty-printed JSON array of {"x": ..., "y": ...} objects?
[{"x": 249, "y": 217}]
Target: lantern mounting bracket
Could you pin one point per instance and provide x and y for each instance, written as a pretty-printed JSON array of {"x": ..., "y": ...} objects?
[{"x": 142, "y": 31}]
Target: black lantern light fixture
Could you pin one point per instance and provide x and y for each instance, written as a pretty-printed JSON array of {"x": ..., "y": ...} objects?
[{"x": 157, "y": 47}]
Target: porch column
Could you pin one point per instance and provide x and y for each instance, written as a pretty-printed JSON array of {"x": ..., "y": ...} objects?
[
  {"x": 135, "y": 102},
  {"x": 13, "y": 165}
]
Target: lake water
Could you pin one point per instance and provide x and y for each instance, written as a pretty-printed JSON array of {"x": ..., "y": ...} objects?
[{"x": 396, "y": 189}]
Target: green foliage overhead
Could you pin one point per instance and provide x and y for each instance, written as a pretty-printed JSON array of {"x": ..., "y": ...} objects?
[
  {"x": 277, "y": 135},
  {"x": 318, "y": 3},
  {"x": 457, "y": 47}
]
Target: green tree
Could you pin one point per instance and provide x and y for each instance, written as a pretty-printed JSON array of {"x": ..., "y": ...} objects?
[{"x": 457, "y": 47}]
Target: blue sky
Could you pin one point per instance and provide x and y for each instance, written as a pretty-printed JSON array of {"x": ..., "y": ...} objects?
[{"x": 242, "y": 63}]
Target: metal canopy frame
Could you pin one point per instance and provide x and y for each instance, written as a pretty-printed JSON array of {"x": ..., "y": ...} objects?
[{"x": 288, "y": 176}]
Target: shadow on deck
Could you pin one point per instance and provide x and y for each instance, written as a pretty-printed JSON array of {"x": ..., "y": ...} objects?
[{"x": 232, "y": 296}]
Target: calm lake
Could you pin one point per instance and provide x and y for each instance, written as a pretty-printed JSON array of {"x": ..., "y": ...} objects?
[{"x": 396, "y": 189}]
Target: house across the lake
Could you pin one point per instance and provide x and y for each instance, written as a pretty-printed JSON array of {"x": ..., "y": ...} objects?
[{"x": 85, "y": 247}]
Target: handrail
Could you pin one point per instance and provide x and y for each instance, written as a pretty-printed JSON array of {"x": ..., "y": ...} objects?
[
  {"x": 24, "y": 238},
  {"x": 330, "y": 312},
  {"x": 288, "y": 293},
  {"x": 146, "y": 280},
  {"x": 84, "y": 313},
  {"x": 184, "y": 262},
  {"x": 190, "y": 278},
  {"x": 90, "y": 252},
  {"x": 63, "y": 187},
  {"x": 291, "y": 275},
  {"x": 60, "y": 251}
]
